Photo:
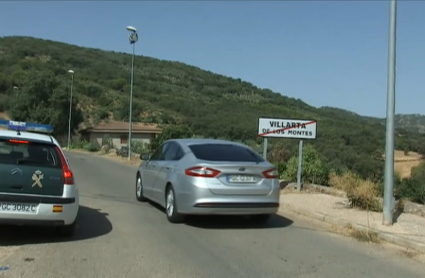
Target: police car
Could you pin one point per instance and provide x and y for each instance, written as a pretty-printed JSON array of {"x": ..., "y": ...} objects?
[{"x": 36, "y": 182}]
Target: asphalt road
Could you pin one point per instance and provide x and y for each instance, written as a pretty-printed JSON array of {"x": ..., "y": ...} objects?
[{"x": 119, "y": 237}]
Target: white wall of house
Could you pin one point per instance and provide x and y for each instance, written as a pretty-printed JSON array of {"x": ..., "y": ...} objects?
[{"x": 121, "y": 139}]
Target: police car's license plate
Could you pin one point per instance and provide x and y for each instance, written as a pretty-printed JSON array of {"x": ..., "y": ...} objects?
[{"x": 16, "y": 207}]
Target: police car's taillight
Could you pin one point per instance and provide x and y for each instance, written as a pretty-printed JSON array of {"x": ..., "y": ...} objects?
[
  {"x": 67, "y": 173},
  {"x": 18, "y": 141}
]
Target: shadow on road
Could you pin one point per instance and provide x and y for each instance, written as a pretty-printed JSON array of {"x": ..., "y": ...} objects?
[
  {"x": 236, "y": 222},
  {"x": 91, "y": 223},
  {"x": 230, "y": 222}
]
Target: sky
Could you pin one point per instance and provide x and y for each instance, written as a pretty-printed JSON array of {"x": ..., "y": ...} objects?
[{"x": 326, "y": 53}]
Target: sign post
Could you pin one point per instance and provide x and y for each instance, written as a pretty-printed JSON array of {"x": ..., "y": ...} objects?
[
  {"x": 288, "y": 129},
  {"x": 300, "y": 164},
  {"x": 265, "y": 148}
]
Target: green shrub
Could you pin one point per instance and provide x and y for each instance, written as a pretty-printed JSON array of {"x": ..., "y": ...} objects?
[
  {"x": 139, "y": 147},
  {"x": 107, "y": 142},
  {"x": 91, "y": 147},
  {"x": 412, "y": 188},
  {"x": 281, "y": 167},
  {"x": 77, "y": 144},
  {"x": 314, "y": 170}
]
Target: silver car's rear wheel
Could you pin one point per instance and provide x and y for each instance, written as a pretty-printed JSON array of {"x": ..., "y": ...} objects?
[
  {"x": 139, "y": 189},
  {"x": 170, "y": 203},
  {"x": 170, "y": 207}
]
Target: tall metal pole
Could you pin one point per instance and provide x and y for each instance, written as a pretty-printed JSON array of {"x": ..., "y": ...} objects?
[
  {"x": 131, "y": 104},
  {"x": 389, "y": 148},
  {"x": 70, "y": 111}
]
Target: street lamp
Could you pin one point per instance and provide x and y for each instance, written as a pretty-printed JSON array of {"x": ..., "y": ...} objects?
[
  {"x": 389, "y": 147},
  {"x": 133, "y": 38},
  {"x": 70, "y": 108},
  {"x": 16, "y": 88}
]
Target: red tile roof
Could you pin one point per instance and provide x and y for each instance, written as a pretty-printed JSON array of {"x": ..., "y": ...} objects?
[{"x": 122, "y": 127}]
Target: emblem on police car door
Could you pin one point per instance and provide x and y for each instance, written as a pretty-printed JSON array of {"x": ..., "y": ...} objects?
[
  {"x": 16, "y": 171},
  {"x": 37, "y": 177}
]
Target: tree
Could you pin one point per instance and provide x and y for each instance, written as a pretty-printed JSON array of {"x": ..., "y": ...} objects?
[
  {"x": 44, "y": 99},
  {"x": 406, "y": 150},
  {"x": 171, "y": 132}
]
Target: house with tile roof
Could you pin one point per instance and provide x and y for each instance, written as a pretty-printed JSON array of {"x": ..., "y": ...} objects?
[{"x": 118, "y": 133}]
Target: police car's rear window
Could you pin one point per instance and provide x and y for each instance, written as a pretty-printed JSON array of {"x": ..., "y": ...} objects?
[{"x": 18, "y": 151}]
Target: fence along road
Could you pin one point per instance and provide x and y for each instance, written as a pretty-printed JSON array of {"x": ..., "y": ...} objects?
[{"x": 119, "y": 237}]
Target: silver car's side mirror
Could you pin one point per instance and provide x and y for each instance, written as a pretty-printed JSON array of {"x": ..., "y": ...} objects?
[{"x": 144, "y": 156}]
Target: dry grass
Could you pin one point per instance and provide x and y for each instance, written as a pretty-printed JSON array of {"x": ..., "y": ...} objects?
[
  {"x": 112, "y": 155},
  {"x": 404, "y": 168},
  {"x": 359, "y": 235},
  {"x": 403, "y": 164},
  {"x": 364, "y": 236},
  {"x": 360, "y": 193},
  {"x": 409, "y": 254},
  {"x": 400, "y": 156},
  {"x": 3, "y": 115}
]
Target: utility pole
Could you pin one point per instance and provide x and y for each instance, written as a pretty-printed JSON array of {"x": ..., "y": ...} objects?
[
  {"x": 133, "y": 38},
  {"x": 389, "y": 147},
  {"x": 70, "y": 109}
]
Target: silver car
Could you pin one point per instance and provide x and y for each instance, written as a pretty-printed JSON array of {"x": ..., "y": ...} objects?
[{"x": 207, "y": 176}]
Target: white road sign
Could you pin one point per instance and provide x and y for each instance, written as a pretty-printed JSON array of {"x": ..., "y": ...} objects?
[{"x": 287, "y": 128}]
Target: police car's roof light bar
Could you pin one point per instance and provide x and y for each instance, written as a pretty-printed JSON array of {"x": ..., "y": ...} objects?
[{"x": 25, "y": 126}]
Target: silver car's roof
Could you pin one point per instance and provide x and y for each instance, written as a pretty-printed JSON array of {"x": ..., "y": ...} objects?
[{"x": 196, "y": 141}]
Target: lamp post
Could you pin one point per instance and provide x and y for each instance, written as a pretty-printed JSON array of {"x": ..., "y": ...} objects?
[
  {"x": 389, "y": 147},
  {"x": 133, "y": 38},
  {"x": 70, "y": 108}
]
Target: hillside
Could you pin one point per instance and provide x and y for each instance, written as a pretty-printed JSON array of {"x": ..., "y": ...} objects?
[
  {"x": 167, "y": 92},
  {"x": 410, "y": 122}
]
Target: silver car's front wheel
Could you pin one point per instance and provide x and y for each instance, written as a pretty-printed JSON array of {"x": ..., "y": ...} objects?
[
  {"x": 170, "y": 207},
  {"x": 139, "y": 189}
]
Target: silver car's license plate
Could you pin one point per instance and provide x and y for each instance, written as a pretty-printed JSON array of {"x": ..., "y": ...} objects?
[
  {"x": 16, "y": 207},
  {"x": 240, "y": 178}
]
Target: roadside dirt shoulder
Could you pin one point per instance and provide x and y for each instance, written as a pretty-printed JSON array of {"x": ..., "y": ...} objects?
[{"x": 135, "y": 161}]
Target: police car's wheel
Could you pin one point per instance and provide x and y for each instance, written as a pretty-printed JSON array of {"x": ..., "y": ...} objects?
[
  {"x": 139, "y": 189},
  {"x": 67, "y": 230}
]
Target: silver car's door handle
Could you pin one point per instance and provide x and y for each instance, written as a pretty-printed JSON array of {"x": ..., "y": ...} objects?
[{"x": 153, "y": 164}]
